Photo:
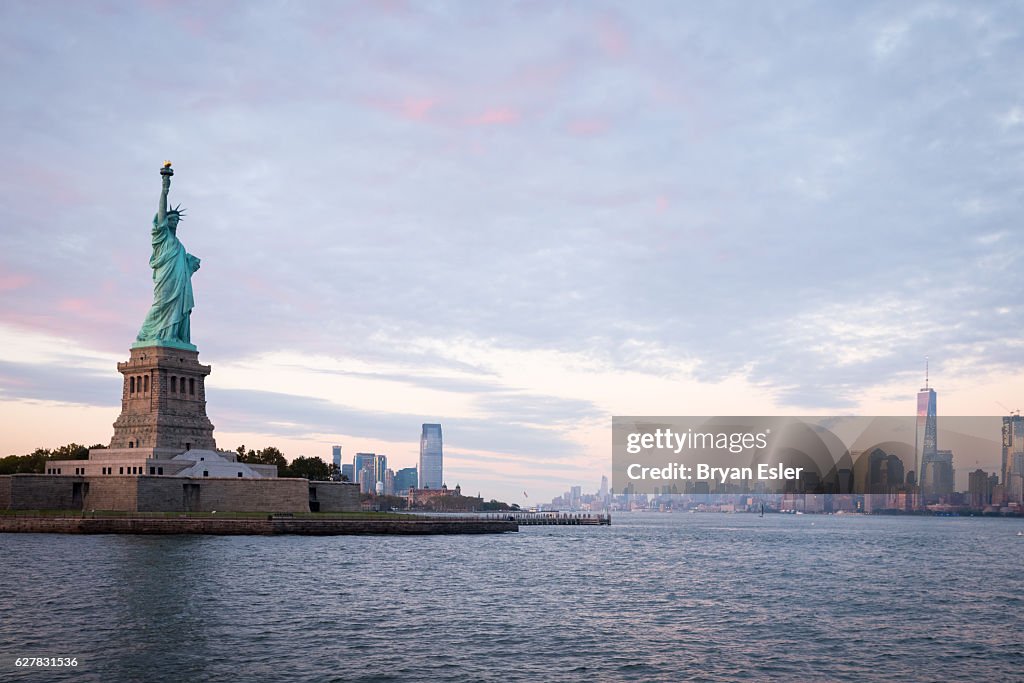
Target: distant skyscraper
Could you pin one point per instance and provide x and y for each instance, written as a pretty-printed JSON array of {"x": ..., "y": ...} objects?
[
  {"x": 844, "y": 480},
  {"x": 944, "y": 480},
  {"x": 1013, "y": 455},
  {"x": 366, "y": 483},
  {"x": 360, "y": 460},
  {"x": 926, "y": 439},
  {"x": 980, "y": 485},
  {"x": 364, "y": 467},
  {"x": 405, "y": 479},
  {"x": 885, "y": 473},
  {"x": 938, "y": 475},
  {"x": 369, "y": 469},
  {"x": 1016, "y": 488},
  {"x": 431, "y": 457},
  {"x": 348, "y": 473},
  {"x": 336, "y": 461}
]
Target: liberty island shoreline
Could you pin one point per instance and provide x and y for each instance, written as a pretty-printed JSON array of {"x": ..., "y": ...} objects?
[
  {"x": 309, "y": 524},
  {"x": 270, "y": 525}
]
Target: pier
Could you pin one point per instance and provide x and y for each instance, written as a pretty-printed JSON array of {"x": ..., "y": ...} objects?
[{"x": 553, "y": 518}]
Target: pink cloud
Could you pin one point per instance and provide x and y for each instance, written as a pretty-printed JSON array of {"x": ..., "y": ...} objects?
[
  {"x": 113, "y": 334},
  {"x": 87, "y": 309},
  {"x": 496, "y": 117},
  {"x": 662, "y": 203},
  {"x": 195, "y": 26},
  {"x": 73, "y": 305},
  {"x": 52, "y": 183},
  {"x": 417, "y": 108},
  {"x": 587, "y": 127},
  {"x": 12, "y": 281},
  {"x": 410, "y": 108},
  {"x": 612, "y": 37}
]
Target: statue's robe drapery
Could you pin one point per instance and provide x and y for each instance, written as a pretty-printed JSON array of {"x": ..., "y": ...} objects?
[{"x": 168, "y": 318}]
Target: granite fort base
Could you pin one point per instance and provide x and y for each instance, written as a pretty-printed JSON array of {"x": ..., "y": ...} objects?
[{"x": 146, "y": 493}]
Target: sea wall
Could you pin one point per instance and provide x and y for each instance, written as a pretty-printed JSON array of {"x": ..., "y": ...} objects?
[
  {"x": 173, "y": 494},
  {"x": 261, "y": 527},
  {"x": 112, "y": 493},
  {"x": 207, "y": 494},
  {"x": 333, "y": 496},
  {"x": 43, "y": 492}
]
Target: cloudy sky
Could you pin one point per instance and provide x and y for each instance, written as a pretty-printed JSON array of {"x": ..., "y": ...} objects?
[{"x": 517, "y": 219}]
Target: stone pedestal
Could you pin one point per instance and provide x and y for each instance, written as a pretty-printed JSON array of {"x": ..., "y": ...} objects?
[{"x": 163, "y": 402}]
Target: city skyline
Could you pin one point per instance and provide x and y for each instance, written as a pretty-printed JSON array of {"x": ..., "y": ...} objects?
[{"x": 514, "y": 220}]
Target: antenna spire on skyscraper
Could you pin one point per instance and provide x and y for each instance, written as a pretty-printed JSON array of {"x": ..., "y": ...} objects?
[{"x": 926, "y": 372}]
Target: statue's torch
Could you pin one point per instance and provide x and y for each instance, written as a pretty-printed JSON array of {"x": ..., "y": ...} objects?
[{"x": 166, "y": 170}]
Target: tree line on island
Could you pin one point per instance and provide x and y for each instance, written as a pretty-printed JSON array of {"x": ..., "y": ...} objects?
[
  {"x": 314, "y": 469},
  {"x": 35, "y": 462},
  {"x": 302, "y": 467}
]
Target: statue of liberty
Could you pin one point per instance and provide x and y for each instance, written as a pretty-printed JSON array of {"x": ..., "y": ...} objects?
[{"x": 167, "y": 323}]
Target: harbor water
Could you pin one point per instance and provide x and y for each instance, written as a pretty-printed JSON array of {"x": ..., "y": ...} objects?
[{"x": 653, "y": 597}]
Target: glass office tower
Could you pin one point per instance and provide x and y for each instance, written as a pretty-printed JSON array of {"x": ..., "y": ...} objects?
[
  {"x": 1013, "y": 457},
  {"x": 405, "y": 479},
  {"x": 926, "y": 440},
  {"x": 431, "y": 457}
]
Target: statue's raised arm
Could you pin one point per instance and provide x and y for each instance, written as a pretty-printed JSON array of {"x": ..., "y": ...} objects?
[{"x": 165, "y": 176}]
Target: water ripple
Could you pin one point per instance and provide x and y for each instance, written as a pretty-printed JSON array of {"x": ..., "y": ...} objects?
[{"x": 652, "y": 598}]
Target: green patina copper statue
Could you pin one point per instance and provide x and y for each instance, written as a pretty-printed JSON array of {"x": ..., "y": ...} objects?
[{"x": 167, "y": 323}]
